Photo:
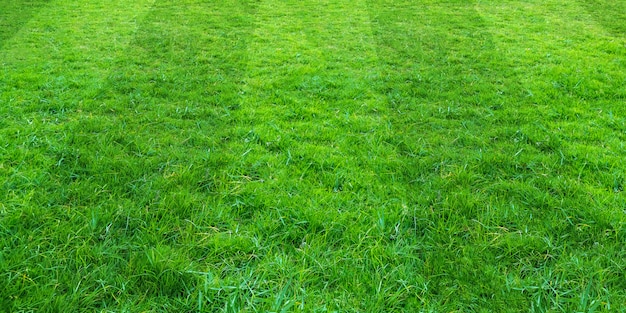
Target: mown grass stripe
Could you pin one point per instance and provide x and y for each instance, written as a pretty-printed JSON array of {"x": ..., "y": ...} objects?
[
  {"x": 606, "y": 13},
  {"x": 383, "y": 156},
  {"x": 63, "y": 54},
  {"x": 14, "y": 15},
  {"x": 466, "y": 75},
  {"x": 66, "y": 28},
  {"x": 316, "y": 124},
  {"x": 92, "y": 131},
  {"x": 310, "y": 78}
]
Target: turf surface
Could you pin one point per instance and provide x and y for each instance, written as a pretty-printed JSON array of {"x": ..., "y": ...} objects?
[{"x": 314, "y": 156}]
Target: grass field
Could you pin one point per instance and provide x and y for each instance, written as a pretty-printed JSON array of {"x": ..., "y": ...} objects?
[{"x": 312, "y": 156}]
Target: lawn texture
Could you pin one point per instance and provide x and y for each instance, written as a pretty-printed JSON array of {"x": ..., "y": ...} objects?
[{"x": 312, "y": 156}]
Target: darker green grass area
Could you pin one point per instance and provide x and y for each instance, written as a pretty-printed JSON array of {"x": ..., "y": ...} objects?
[
  {"x": 330, "y": 156},
  {"x": 14, "y": 15},
  {"x": 608, "y": 14}
]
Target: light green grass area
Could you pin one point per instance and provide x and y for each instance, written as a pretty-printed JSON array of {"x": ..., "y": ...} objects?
[{"x": 312, "y": 156}]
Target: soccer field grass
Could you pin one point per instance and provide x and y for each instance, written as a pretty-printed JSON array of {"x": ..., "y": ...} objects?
[{"x": 312, "y": 156}]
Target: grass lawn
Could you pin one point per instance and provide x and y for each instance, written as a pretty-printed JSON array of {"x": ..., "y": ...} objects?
[{"x": 312, "y": 156}]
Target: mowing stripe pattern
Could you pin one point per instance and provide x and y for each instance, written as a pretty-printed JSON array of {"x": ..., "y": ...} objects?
[{"x": 312, "y": 156}]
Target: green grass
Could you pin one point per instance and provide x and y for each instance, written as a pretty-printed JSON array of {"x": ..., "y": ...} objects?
[{"x": 312, "y": 156}]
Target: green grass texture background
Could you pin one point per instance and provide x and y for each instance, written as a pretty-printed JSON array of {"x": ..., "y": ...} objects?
[{"x": 312, "y": 156}]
